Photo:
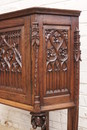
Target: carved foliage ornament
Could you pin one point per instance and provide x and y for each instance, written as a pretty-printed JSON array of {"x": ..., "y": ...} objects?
[
  {"x": 57, "y": 49},
  {"x": 10, "y": 57},
  {"x": 35, "y": 44},
  {"x": 35, "y": 34},
  {"x": 77, "y": 45}
]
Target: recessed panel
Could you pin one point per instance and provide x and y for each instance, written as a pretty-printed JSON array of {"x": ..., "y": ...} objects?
[
  {"x": 11, "y": 59},
  {"x": 57, "y": 59}
]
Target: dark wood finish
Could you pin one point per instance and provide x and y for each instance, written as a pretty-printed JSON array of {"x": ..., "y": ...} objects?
[
  {"x": 39, "y": 62},
  {"x": 40, "y": 120}
]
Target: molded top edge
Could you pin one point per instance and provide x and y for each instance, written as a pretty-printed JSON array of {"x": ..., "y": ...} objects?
[{"x": 39, "y": 10}]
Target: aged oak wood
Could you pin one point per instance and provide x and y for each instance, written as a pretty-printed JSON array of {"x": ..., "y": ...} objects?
[{"x": 39, "y": 63}]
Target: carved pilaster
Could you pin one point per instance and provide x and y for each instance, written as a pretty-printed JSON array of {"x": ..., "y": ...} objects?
[
  {"x": 35, "y": 44},
  {"x": 77, "y": 58},
  {"x": 39, "y": 120}
]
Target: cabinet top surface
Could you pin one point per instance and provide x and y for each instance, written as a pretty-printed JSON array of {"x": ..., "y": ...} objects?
[{"x": 39, "y": 10}]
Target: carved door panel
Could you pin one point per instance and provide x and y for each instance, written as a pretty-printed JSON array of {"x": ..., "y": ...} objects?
[
  {"x": 56, "y": 62},
  {"x": 13, "y": 59}
]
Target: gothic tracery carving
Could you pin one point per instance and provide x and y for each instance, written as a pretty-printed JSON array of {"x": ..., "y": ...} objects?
[
  {"x": 10, "y": 57},
  {"x": 57, "y": 50},
  {"x": 56, "y": 60}
]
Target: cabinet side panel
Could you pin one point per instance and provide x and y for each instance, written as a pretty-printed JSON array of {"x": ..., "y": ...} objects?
[
  {"x": 15, "y": 60},
  {"x": 55, "y": 59}
]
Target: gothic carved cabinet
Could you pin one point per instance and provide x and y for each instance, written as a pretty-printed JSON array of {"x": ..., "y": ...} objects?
[{"x": 39, "y": 62}]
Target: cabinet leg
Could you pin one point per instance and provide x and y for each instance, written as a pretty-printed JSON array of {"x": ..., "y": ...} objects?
[
  {"x": 73, "y": 118},
  {"x": 40, "y": 120},
  {"x": 47, "y": 121}
]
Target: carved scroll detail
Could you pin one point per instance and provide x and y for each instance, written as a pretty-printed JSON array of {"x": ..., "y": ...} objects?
[
  {"x": 10, "y": 57},
  {"x": 57, "y": 50},
  {"x": 35, "y": 44}
]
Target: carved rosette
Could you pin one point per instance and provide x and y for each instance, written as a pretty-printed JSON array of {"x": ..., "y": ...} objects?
[
  {"x": 39, "y": 120},
  {"x": 35, "y": 44}
]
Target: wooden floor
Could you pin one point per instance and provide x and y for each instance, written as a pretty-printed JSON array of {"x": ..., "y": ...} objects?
[{"x": 7, "y": 128}]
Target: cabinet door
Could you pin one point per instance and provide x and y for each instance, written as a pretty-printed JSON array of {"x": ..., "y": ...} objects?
[{"x": 14, "y": 60}]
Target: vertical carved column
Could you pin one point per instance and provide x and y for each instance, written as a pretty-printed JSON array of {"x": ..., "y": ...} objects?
[
  {"x": 38, "y": 118},
  {"x": 35, "y": 44},
  {"x": 73, "y": 112},
  {"x": 77, "y": 58}
]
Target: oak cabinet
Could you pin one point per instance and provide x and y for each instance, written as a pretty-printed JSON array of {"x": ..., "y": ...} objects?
[{"x": 39, "y": 62}]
